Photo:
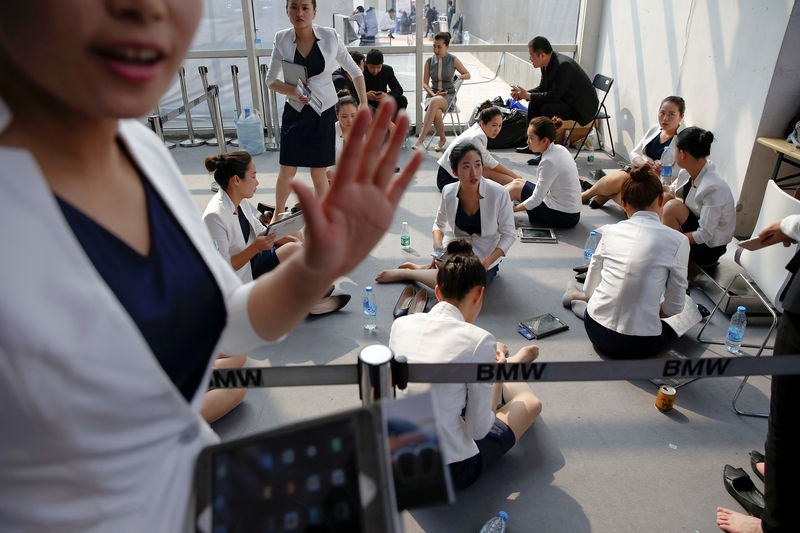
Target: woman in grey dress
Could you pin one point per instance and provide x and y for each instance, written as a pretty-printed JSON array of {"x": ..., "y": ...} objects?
[{"x": 440, "y": 70}]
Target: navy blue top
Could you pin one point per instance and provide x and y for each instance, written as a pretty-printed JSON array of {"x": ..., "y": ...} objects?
[
  {"x": 245, "y": 225},
  {"x": 655, "y": 148},
  {"x": 470, "y": 224},
  {"x": 170, "y": 294}
]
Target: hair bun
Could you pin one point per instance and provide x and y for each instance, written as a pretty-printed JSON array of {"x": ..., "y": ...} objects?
[
  {"x": 341, "y": 93},
  {"x": 707, "y": 138},
  {"x": 459, "y": 247},
  {"x": 557, "y": 122},
  {"x": 213, "y": 162}
]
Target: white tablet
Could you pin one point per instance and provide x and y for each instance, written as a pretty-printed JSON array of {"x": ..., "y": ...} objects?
[{"x": 287, "y": 225}]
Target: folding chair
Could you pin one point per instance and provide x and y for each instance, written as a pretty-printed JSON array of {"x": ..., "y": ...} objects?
[
  {"x": 765, "y": 268},
  {"x": 602, "y": 84},
  {"x": 452, "y": 111}
]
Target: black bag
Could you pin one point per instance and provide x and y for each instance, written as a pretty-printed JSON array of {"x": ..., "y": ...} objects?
[{"x": 514, "y": 132}]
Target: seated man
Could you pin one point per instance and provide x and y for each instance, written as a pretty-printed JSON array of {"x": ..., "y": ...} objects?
[
  {"x": 342, "y": 80},
  {"x": 478, "y": 438},
  {"x": 367, "y": 24},
  {"x": 380, "y": 81},
  {"x": 564, "y": 91}
]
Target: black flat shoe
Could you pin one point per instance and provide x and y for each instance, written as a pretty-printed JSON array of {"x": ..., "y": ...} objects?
[
  {"x": 419, "y": 302},
  {"x": 585, "y": 184},
  {"x": 404, "y": 301},
  {"x": 580, "y": 278},
  {"x": 595, "y": 205},
  {"x": 534, "y": 160},
  {"x": 329, "y": 291},
  {"x": 523, "y": 150},
  {"x": 581, "y": 269},
  {"x": 328, "y": 305},
  {"x": 755, "y": 458},
  {"x": 740, "y": 486}
]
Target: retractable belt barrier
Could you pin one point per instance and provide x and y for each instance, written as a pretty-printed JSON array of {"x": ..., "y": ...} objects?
[{"x": 403, "y": 373}]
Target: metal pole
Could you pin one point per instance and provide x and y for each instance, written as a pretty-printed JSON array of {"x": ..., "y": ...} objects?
[
  {"x": 270, "y": 117},
  {"x": 276, "y": 126},
  {"x": 155, "y": 124},
  {"x": 204, "y": 79},
  {"x": 160, "y": 126},
  {"x": 236, "y": 98},
  {"x": 191, "y": 141},
  {"x": 216, "y": 115},
  {"x": 375, "y": 373}
]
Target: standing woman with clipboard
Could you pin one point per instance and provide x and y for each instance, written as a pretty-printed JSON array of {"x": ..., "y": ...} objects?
[{"x": 308, "y": 137}]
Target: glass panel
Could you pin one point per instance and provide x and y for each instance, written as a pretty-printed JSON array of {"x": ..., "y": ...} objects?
[{"x": 221, "y": 27}]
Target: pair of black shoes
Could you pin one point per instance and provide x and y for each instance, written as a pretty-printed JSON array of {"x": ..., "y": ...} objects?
[
  {"x": 525, "y": 150},
  {"x": 411, "y": 301},
  {"x": 330, "y": 303},
  {"x": 741, "y": 487}
]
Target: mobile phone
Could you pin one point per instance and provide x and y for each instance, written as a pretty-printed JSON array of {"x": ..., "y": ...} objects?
[{"x": 525, "y": 333}]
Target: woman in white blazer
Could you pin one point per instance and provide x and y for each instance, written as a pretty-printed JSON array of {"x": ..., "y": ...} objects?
[
  {"x": 488, "y": 126},
  {"x": 229, "y": 214},
  {"x": 555, "y": 198},
  {"x": 97, "y": 435},
  {"x": 308, "y": 137},
  {"x": 475, "y": 209},
  {"x": 661, "y": 135}
]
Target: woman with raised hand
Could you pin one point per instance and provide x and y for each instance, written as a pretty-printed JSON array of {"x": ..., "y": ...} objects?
[
  {"x": 308, "y": 135},
  {"x": 555, "y": 199},
  {"x": 661, "y": 135},
  {"x": 488, "y": 126},
  {"x": 475, "y": 433},
  {"x": 701, "y": 205},
  {"x": 473, "y": 208},
  {"x": 440, "y": 69},
  {"x": 104, "y": 401},
  {"x": 637, "y": 262}
]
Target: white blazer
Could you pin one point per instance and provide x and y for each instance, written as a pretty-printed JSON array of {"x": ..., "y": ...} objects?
[
  {"x": 711, "y": 201},
  {"x": 334, "y": 52},
  {"x": 475, "y": 135},
  {"x": 223, "y": 224},
  {"x": 95, "y": 435},
  {"x": 650, "y": 134},
  {"x": 497, "y": 219},
  {"x": 557, "y": 183}
]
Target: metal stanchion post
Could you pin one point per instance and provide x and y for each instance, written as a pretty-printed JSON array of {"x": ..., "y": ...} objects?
[
  {"x": 216, "y": 115},
  {"x": 191, "y": 141},
  {"x": 204, "y": 78},
  {"x": 375, "y": 373},
  {"x": 265, "y": 92},
  {"x": 275, "y": 124},
  {"x": 155, "y": 125},
  {"x": 237, "y": 99}
]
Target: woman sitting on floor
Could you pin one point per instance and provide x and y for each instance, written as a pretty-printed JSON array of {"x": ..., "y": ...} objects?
[
  {"x": 478, "y": 438},
  {"x": 233, "y": 221},
  {"x": 490, "y": 122},
  {"x": 555, "y": 199},
  {"x": 346, "y": 110},
  {"x": 661, "y": 135},
  {"x": 702, "y": 206},
  {"x": 474, "y": 208},
  {"x": 636, "y": 261}
]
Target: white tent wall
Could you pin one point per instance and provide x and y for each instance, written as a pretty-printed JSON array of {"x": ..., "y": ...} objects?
[{"x": 720, "y": 55}]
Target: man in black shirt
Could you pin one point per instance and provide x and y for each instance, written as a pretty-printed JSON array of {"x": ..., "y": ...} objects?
[
  {"x": 342, "y": 80},
  {"x": 380, "y": 81},
  {"x": 565, "y": 89}
]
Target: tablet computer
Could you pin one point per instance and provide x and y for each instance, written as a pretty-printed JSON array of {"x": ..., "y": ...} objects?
[
  {"x": 287, "y": 225},
  {"x": 537, "y": 235},
  {"x": 328, "y": 474},
  {"x": 544, "y": 325},
  {"x": 752, "y": 244}
]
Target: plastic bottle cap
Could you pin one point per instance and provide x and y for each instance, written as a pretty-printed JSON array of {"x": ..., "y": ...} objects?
[
  {"x": 741, "y": 309},
  {"x": 592, "y": 233},
  {"x": 503, "y": 515},
  {"x": 368, "y": 288}
]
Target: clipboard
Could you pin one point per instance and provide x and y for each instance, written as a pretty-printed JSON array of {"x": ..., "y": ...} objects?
[
  {"x": 294, "y": 74},
  {"x": 286, "y": 225}
]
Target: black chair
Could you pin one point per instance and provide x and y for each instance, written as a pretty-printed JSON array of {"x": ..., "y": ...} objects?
[{"x": 602, "y": 84}]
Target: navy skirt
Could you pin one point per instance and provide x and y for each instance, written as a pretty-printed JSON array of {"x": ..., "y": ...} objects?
[{"x": 308, "y": 139}]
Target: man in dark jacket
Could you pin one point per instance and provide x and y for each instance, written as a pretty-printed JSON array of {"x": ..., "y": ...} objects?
[
  {"x": 380, "y": 81},
  {"x": 565, "y": 89},
  {"x": 342, "y": 80}
]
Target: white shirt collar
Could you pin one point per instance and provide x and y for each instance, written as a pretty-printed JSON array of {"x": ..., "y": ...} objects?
[{"x": 448, "y": 310}]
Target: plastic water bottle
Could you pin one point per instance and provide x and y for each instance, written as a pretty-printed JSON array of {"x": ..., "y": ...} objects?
[
  {"x": 370, "y": 309},
  {"x": 736, "y": 330},
  {"x": 590, "y": 246},
  {"x": 465, "y": 37},
  {"x": 590, "y": 157},
  {"x": 405, "y": 238},
  {"x": 667, "y": 160},
  {"x": 496, "y": 524},
  {"x": 250, "y": 132},
  {"x": 257, "y": 39}
]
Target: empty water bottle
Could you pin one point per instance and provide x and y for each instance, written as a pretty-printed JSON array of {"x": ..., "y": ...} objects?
[
  {"x": 405, "y": 238},
  {"x": 590, "y": 246},
  {"x": 370, "y": 309},
  {"x": 496, "y": 524},
  {"x": 667, "y": 160},
  {"x": 250, "y": 132},
  {"x": 736, "y": 330}
]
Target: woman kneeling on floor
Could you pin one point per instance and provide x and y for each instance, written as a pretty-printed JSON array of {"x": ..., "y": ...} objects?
[
  {"x": 555, "y": 198},
  {"x": 473, "y": 208},
  {"x": 478, "y": 438},
  {"x": 636, "y": 261}
]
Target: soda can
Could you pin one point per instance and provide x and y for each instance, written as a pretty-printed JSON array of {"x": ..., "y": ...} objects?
[{"x": 666, "y": 398}]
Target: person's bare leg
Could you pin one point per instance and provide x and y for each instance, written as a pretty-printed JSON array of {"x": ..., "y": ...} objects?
[
  {"x": 283, "y": 187},
  {"x": 733, "y": 522},
  {"x": 438, "y": 123},
  {"x": 606, "y": 187},
  {"x": 760, "y": 468},
  {"x": 514, "y": 189},
  {"x": 674, "y": 214},
  {"x": 320, "y": 178},
  {"x": 521, "y": 407},
  {"x": 287, "y": 250},
  {"x": 220, "y": 402},
  {"x": 434, "y": 104},
  {"x": 413, "y": 266},
  {"x": 426, "y": 277},
  {"x": 502, "y": 179}
]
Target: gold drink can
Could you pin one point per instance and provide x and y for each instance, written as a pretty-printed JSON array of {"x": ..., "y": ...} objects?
[{"x": 666, "y": 398}]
